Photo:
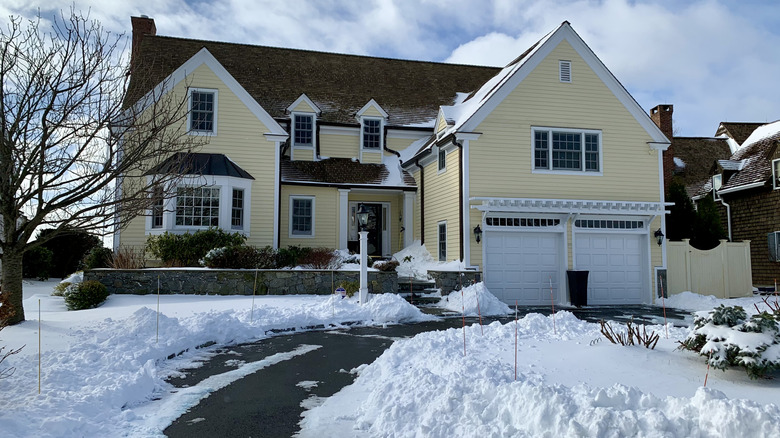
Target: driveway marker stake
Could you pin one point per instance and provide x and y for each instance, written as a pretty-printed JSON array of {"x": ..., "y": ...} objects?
[
  {"x": 254, "y": 291},
  {"x": 157, "y": 336},
  {"x": 463, "y": 307},
  {"x": 39, "y": 345},
  {"x": 708, "y": 369},
  {"x": 515, "y": 340},
  {"x": 552, "y": 300}
]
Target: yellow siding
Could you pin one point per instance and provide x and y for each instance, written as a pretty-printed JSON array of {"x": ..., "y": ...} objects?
[
  {"x": 239, "y": 136},
  {"x": 501, "y": 159},
  {"x": 442, "y": 204},
  {"x": 372, "y": 112},
  {"x": 372, "y": 157},
  {"x": 339, "y": 146},
  {"x": 417, "y": 220},
  {"x": 442, "y": 124},
  {"x": 302, "y": 154},
  {"x": 396, "y": 208},
  {"x": 326, "y": 202},
  {"x": 303, "y": 107}
]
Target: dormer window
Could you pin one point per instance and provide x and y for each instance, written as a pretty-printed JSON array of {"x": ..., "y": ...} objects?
[
  {"x": 776, "y": 174},
  {"x": 371, "y": 133},
  {"x": 303, "y": 130},
  {"x": 717, "y": 183}
]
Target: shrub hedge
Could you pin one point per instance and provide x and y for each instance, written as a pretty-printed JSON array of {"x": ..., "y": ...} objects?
[
  {"x": 85, "y": 295},
  {"x": 188, "y": 249}
]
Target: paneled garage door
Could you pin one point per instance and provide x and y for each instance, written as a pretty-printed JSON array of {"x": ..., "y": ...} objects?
[
  {"x": 519, "y": 266},
  {"x": 617, "y": 265}
]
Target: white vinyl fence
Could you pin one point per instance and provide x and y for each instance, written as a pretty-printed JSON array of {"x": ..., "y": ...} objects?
[{"x": 723, "y": 271}]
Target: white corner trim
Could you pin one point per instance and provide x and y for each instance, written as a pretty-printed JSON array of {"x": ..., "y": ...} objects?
[
  {"x": 205, "y": 57},
  {"x": 304, "y": 98},
  {"x": 371, "y": 103}
]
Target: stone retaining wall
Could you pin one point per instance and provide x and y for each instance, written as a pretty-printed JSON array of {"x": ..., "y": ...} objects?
[
  {"x": 235, "y": 281},
  {"x": 449, "y": 281}
]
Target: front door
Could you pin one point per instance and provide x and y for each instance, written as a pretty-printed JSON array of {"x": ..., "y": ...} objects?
[{"x": 378, "y": 236}]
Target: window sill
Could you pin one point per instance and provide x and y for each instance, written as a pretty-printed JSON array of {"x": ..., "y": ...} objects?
[
  {"x": 567, "y": 172},
  {"x": 202, "y": 133}
]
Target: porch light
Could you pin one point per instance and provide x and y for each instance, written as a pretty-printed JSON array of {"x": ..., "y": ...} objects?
[
  {"x": 362, "y": 216},
  {"x": 477, "y": 233},
  {"x": 659, "y": 236}
]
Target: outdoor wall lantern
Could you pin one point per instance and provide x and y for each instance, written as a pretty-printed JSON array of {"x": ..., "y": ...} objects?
[
  {"x": 477, "y": 233},
  {"x": 659, "y": 236}
]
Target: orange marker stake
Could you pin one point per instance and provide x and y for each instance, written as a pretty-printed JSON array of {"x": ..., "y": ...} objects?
[
  {"x": 708, "y": 369},
  {"x": 663, "y": 303},
  {"x": 479, "y": 312}
]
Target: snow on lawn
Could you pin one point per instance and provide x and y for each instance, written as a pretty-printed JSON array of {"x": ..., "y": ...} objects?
[
  {"x": 98, "y": 365},
  {"x": 415, "y": 261},
  {"x": 473, "y": 301}
]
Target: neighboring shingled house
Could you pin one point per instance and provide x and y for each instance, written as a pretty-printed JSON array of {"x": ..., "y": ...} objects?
[
  {"x": 550, "y": 158},
  {"x": 747, "y": 187}
]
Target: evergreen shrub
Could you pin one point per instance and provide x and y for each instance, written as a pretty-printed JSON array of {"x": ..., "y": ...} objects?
[
  {"x": 188, "y": 249},
  {"x": 85, "y": 295},
  {"x": 98, "y": 257}
]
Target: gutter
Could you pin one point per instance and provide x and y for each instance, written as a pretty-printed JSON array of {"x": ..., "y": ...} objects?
[{"x": 745, "y": 187}]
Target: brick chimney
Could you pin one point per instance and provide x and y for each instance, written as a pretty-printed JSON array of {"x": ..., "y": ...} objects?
[
  {"x": 142, "y": 26},
  {"x": 662, "y": 116}
]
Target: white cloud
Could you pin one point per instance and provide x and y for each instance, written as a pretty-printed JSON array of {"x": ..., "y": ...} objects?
[{"x": 715, "y": 60}]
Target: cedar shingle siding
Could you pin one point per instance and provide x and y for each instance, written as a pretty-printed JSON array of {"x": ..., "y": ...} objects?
[{"x": 754, "y": 213}]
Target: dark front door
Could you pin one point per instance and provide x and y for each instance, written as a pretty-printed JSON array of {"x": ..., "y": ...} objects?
[{"x": 374, "y": 228}]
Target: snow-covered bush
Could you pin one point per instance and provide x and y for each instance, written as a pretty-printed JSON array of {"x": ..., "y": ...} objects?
[
  {"x": 240, "y": 257},
  {"x": 85, "y": 295},
  {"x": 386, "y": 265},
  {"x": 729, "y": 338}
]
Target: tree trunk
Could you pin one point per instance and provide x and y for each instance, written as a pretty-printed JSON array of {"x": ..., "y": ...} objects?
[{"x": 12, "y": 311}]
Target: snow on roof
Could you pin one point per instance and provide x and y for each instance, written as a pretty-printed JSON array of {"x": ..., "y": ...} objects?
[
  {"x": 408, "y": 153},
  {"x": 732, "y": 164},
  {"x": 679, "y": 162},
  {"x": 394, "y": 175},
  {"x": 762, "y": 132}
]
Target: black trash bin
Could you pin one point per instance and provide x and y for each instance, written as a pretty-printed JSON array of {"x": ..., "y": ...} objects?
[{"x": 578, "y": 287}]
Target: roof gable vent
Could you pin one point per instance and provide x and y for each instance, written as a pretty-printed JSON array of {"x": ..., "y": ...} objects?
[{"x": 565, "y": 71}]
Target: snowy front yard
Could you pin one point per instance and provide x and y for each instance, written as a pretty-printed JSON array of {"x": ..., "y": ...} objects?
[{"x": 103, "y": 372}]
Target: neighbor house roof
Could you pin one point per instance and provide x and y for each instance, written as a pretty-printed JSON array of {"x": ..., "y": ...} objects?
[
  {"x": 754, "y": 158},
  {"x": 340, "y": 85},
  {"x": 699, "y": 155},
  {"x": 191, "y": 163},
  {"x": 344, "y": 172},
  {"x": 739, "y": 131}
]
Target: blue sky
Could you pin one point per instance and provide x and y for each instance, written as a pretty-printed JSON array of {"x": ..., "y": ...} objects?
[{"x": 713, "y": 60}]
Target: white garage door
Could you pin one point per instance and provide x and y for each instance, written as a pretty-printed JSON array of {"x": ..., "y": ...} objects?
[
  {"x": 617, "y": 265},
  {"x": 519, "y": 266}
]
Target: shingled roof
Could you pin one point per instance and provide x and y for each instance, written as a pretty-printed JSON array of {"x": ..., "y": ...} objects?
[
  {"x": 699, "y": 155},
  {"x": 410, "y": 91},
  {"x": 739, "y": 131},
  {"x": 191, "y": 163},
  {"x": 344, "y": 172}
]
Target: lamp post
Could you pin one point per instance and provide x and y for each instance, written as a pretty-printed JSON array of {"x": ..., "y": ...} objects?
[{"x": 362, "y": 217}]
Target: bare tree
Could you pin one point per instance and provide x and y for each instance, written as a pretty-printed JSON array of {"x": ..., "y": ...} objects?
[{"x": 73, "y": 149}]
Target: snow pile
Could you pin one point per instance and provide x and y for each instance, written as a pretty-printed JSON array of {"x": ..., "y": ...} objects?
[
  {"x": 695, "y": 302},
  {"x": 566, "y": 385},
  {"x": 104, "y": 367},
  {"x": 415, "y": 261},
  {"x": 473, "y": 300}
]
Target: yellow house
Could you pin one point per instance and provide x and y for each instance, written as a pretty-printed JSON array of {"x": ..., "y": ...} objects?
[{"x": 549, "y": 162}]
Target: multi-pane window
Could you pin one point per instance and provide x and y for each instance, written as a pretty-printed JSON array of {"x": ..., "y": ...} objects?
[
  {"x": 442, "y": 241},
  {"x": 521, "y": 222},
  {"x": 302, "y": 215},
  {"x": 607, "y": 224},
  {"x": 776, "y": 174},
  {"x": 197, "y": 206},
  {"x": 237, "y": 210},
  {"x": 372, "y": 133},
  {"x": 303, "y": 134},
  {"x": 567, "y": 150},
  {"x": 442, "y": 159},
  {"x": 157, "y": 207},
  {"x": 202, "y": 111}
]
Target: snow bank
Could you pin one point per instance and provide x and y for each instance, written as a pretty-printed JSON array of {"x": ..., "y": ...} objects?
[
  {"x": 567, "y": 385},
  {"x": 695, "y": 302},
  {"x": 415, "y": 261},
  {"x": 473, "y": 300}
]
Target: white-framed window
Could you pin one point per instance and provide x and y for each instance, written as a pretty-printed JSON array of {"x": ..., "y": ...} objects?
[
  {"x": 303, "y": 130},
  {"x": 371, "y": 134},
  {"x": 776, "y": 174},
  {"x": 202, "y": 118},
  {"x": 442, "y": 160},
  {"x": 237, "y": 210},
  {"x": 563, "y": 150},
  {"x": 158, "y": 203},
  {"x": 564, "y": 71},
  {"x": 442, "y": 241},
  {"x": 301, "y": 216},
  {"x": 197, "y": 206},
  {"x": 717, "y": 183}
]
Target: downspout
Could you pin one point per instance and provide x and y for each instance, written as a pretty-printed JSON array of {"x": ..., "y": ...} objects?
[{"x": 728, "y": 215}]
